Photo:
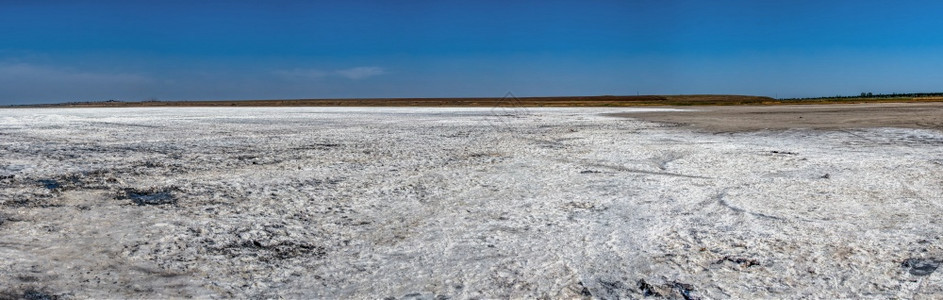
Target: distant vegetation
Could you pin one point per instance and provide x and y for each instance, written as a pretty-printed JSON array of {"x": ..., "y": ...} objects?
[{"x": 869, "y": 95}]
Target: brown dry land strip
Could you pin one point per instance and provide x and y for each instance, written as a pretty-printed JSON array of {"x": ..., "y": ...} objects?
[
  {"x": 569, "y": 101},
  {"x": 834, "y": 116},
  {"x": 575, "y": 101}
]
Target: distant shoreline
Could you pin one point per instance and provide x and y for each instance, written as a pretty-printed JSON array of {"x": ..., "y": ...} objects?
[{"x": 568, "y": 101}]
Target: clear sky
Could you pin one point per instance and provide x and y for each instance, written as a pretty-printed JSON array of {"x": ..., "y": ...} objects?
[{"x": 55, "y": 51}]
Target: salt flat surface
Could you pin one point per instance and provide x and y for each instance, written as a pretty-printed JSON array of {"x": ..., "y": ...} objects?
[{"x": 459, "y": 203}]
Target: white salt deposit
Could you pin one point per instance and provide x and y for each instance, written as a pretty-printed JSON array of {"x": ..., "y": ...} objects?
[{"x": 459, "y": 203}]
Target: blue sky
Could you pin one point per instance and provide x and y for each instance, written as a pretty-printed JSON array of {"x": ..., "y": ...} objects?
[{"x": 55, "y": 51}]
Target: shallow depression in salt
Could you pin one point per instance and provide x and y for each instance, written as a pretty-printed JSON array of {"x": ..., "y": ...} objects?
[{"x": 459, "y": 203}]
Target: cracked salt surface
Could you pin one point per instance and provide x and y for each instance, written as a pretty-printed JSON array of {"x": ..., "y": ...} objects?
[{"x": 459, "y": 203}]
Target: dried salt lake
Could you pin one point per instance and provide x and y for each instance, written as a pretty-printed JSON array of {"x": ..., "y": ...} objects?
[{"x": 459, "y": 203}]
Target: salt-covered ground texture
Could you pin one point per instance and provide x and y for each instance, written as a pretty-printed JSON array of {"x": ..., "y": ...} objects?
[{"x": 459, "y": 203}]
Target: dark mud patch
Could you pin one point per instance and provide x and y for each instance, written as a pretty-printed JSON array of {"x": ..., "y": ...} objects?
[
  {"x": 419, "y": 296},
  {"x": 152, "y": 196},
  {"x": 585, "y": 206},
  {"x": 610, "y": 289},
  {"x": 318, "y": 146},
  {"x": 743, "y": 262},
  {"x": 96, "y": 179},
  {"x": 50, "y": 184},
  {"x": 484, "y": 155},
  {"x": 38, "y": 295},
  {"x": 318, "y": 182},
  {"x": 258, "y": 159},
  {"x": 921, "y": 266},
  {"x": 29, "y": 294},
  {"x": 671, "y": 290},
  {"x": 647, "y": 289},
  {"x": 33, "y": 200},
  {"x": 268, "y": 252},
  {"x": 583, "y": 289},
  {"x": 60, "y": 183}
]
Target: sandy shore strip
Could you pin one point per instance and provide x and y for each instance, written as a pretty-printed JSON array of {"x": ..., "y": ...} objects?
[{"x": 837, "y": 116}]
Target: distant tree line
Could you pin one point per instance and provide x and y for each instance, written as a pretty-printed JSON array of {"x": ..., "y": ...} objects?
[{"x": 872, "y": 95}]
